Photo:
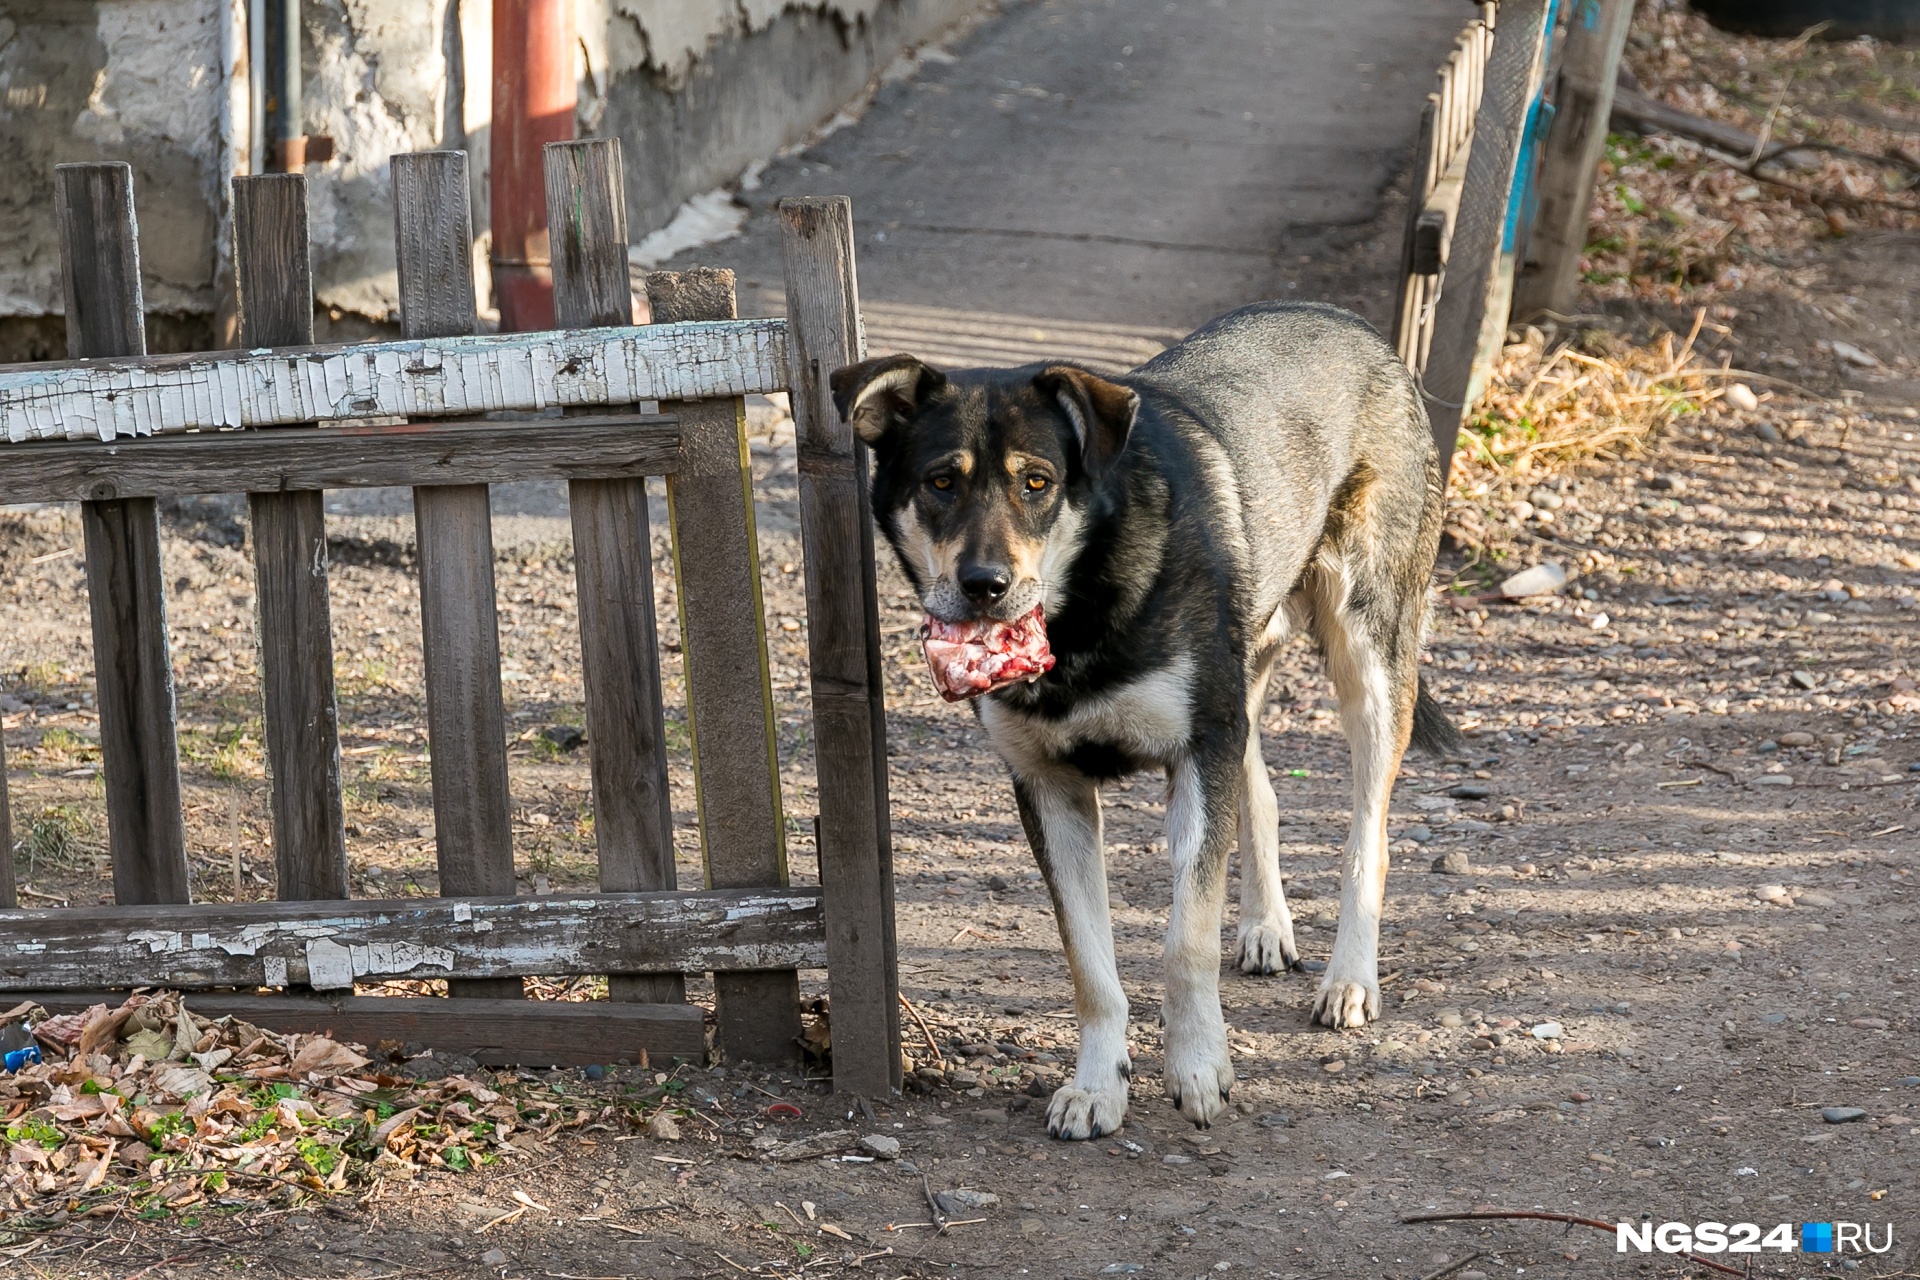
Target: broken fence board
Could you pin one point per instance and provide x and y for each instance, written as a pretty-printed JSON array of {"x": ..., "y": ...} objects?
[
  {"x": 409, "y": 454},
  {"x": 422, "y": 377},
  {"x": 331, "y": 945},
  {"x": 497, "y": 1033}
]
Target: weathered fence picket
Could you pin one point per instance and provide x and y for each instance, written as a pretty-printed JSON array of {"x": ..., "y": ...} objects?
[{"x": 284, "y": 420}]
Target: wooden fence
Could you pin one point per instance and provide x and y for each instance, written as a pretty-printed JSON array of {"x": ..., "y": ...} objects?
[
  {"x": 282, "y": 420},
  {"x": 1439, "y": 171}
]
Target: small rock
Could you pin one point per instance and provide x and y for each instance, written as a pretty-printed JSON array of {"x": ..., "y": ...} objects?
[
  {"x": 1547, "y": 1031},
  {"x": 1122, "y": 1268},
  {"x": 881, "y": 1146},
  {"x": 1418, "y": 833},
  {"x": 1772, "y": 780},
  {"x": 1805, "y": 680},
  {"x": 1668, "y": 483},
  {"x": 1869, "y": 1024},
  {"x": 1741, "y": 397},
  {"x": 1797, "y": 738},
  {"x": 494, "y": 1258},
  {"x": 1767, "y": 431},
  {"x": 1335, "y": 1067},
  {"x": 1908, "y": 1082},
  {"x": 1855, "y": 356},
  {"x": 1774, "y": 893},
  {"x": 1276, "y": 1120},
  {"x": 967, "y": 1198},
  {"x": 1452, "y": 863},
  {"x": 595, "y": 1072},
  {"x": 1750, "y": 537},
  {"x": 1450, "y": 1018},
  {"x": 999, "y": 884},
  {"x": 1842, "y": 1115},
  {"x": 1543, "y": 579},
  {"x": 1469, "y": 791},
  {"x": 663, "y": 1127}
]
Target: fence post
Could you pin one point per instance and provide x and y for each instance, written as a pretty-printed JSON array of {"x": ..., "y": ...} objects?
[
  {"x": 1596, "y": 37},
  {"x": 613, "y": 563},
  {"x": 273, "y": 276},
  {"x": 9, "y": 893},
  {"x": 453, "y": 527},
  {"x": 126, "y": 590},
  {"x": 723, "y": 641},
  {"x": 843, "y": 615},
  {"x": 1474, "y": 253}
]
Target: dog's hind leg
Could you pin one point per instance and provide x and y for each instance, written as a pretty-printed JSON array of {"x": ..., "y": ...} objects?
[
  {"x": 1061, "y": 813},
  {"x": 1371, "y": 653},
  {"x": 1201, "y": 810},
  {"x": 1266, "y": 926}
]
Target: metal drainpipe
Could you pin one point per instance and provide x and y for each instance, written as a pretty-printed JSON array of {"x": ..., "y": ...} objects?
[
  {"x": 285, "y": 144},
  {"x": 533, "y": 102}
]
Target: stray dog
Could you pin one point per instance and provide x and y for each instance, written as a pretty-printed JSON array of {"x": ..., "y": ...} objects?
[{"x": 1172, "y": 526}]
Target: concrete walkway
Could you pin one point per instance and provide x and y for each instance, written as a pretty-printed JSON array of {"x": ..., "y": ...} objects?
[{"x": 1094, "y": 177}]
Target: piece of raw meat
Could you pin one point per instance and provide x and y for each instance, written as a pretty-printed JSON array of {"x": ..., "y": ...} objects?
[{"x": 972, "y": 658}]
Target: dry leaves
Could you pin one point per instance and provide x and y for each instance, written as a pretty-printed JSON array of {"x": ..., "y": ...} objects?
[{"x": 151, "y": 1100}]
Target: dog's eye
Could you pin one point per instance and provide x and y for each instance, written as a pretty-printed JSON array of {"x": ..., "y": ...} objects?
[
  {"x": 943, "y": 483},
  {"x": 1037, "y": 484}
]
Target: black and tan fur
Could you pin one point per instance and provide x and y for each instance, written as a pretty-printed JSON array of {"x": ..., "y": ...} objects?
[{"x": 1273, "y": 471}]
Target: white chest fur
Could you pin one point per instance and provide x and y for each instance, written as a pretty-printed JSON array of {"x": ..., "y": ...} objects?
[{"x": 1150, "y": 719}]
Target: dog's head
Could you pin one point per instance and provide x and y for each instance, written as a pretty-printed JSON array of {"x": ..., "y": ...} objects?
[{"x": 982, "y": 478}]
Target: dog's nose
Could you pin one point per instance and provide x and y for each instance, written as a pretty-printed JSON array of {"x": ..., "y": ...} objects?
[{"x": 984, "y": 583}]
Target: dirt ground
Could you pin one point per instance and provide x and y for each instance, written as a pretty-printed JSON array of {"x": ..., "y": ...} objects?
[{"x": 1686, "y": 834}]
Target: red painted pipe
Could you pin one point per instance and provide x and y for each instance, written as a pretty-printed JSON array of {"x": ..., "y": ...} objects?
[{"x": 533, "y": 101}]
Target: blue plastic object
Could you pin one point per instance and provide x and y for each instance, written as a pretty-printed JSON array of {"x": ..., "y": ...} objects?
[{"x": 27, "y": 1057}]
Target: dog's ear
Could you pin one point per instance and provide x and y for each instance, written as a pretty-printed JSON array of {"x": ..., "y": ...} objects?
[
  {"x": 1102, "y": 412},
  {"x": 874, "y": 396}
]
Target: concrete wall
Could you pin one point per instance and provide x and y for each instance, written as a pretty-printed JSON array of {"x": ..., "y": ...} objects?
[{"x": 698, "y": 89}]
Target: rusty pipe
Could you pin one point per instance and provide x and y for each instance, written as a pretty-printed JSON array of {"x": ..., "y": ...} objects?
[{"x": 533, "y": 101}]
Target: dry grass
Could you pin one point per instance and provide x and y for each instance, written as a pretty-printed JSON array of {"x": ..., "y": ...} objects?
[
  {"x": 1553, "y": 404},
  {"x": 1550, "y": 403}
]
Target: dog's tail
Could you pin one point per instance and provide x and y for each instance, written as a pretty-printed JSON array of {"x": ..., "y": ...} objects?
[{"x": 1433, "y": 733}]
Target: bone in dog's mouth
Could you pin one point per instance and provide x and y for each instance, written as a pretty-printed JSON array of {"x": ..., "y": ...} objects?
[{"x": 972, "y": 658}]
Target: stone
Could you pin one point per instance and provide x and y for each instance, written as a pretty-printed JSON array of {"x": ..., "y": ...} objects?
[
  {"x": 1842, "y": 1115},
  {"x": 1868, "y": 1024},
  {"x": 1547, "y": 1031},
  {"x": 494, "y": 1258},
  {"x": 1543, "y": 579},
  {"x": 1774, "y": 893},
  {"x": 1812, "y": 898},
  {"x": 1772, "y": 780},
  {"x": 1452, "y": 863},
  {"x": 1797, "y": 738},
  {"x": 1276, "y": 1120},
  {"x": 1419, "y": 833},
  {"x": 1855, "y": 356},
  {"x": 967, "y": 1198},
  {"x": 1668, "y": 483},
  {"x": 1767, "y": 431},
  {"x": 663, "y": 1127},
  {"x": 1469, "y": 791},
  {"x": 999, "y": 884},
  {"x": 1335, "y": 1067},
  {"x": 1741, "y": 397},
  {"x": 881, "y": 1146}
]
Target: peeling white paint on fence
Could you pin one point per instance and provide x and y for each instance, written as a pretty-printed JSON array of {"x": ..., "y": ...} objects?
[
  {"x": 333, "y": 945},
  {"x": 511, "y": 372}
]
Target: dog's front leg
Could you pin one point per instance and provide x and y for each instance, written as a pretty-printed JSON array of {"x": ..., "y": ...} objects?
[
  {"x": 1202, "y": 813},
  {"x": 1061, "y": 812}
]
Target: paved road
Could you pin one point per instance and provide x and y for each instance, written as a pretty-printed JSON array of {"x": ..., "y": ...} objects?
[{"x": 1091, "y": 176}]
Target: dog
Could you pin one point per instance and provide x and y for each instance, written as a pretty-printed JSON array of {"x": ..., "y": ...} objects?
[{"x": 1175, "y": 524}]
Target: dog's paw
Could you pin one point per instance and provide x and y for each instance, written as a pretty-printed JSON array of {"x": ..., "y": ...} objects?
[
  {"x": 1267, "y": 948},
  {"x": 1198, "y": 1081},
  {"x": 1346, "y": 1002},
  {"x": 1077, "y": 1113}
]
